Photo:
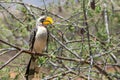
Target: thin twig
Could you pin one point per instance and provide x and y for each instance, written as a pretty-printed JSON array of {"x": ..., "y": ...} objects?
[
  {"x": 11, "y": 14},
  {"x": 29, "y": 10},
  {"x": 47, "y": 55},
  {"x": 88, "y": 36},
  {"x": 103, "y": 72},
  {"x": 40, "y": 54},
  {"x": 60, "y": 74},
  {"x": 108, "y": 52},
  {"x": 64, "y": 46},
  {"x": 106, "y": 22},
  {"x": 107, "y": 30},
  {"x": 36, "y": 8},
  {"x": 6, "y": 63},
  {"x": 18, "y": 48},
  {"x": 6, "y": 51},
  {"x": 46, "y": 11}
]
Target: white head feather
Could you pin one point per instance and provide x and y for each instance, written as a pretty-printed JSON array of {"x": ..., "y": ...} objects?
[{"x": 38, "y": 21}]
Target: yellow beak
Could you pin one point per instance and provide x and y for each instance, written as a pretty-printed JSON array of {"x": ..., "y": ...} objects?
[{"x": 48, "y": 21}]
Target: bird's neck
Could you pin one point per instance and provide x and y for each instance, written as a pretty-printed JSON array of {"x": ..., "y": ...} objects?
[{"x": 39, "y": 27}]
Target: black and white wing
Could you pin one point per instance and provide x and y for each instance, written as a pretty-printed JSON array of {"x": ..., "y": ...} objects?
[
  {"x": 46, "y": 50},
  {"x": 32, "y": 38}
]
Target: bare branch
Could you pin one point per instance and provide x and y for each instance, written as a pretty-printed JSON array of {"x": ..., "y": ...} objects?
[
  {"x": 71, "y": 52},
  {"x": 6, "y": 63},
  {"x": 88, "y": 37},
  {"x": 106, "y": 22},
  {"x": 64, "y": 46},
  {"x": 49, "y": 56},
  {"x": 61, "y": 74},
  {"x": 11, "y": 14}
]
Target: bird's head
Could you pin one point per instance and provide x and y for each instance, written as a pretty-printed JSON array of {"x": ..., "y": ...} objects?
[{"x": 44, "y": 21}]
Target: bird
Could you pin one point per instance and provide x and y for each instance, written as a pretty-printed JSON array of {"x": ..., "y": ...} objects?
[{"x": 38, "y": 43}]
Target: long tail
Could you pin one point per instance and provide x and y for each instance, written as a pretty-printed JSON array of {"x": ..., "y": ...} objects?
[{"x": 30, "y": 68}]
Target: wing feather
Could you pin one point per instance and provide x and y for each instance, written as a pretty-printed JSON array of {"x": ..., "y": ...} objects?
[
  {"x": 47, "y": 41},
  {"x": 32, "y": 38}
]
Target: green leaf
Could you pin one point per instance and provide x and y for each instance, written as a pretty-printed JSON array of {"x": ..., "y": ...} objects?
[{"x": 98, "y": 9}]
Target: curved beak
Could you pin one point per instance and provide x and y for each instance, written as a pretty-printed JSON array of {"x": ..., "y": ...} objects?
[{"x": 48, "y": 21}]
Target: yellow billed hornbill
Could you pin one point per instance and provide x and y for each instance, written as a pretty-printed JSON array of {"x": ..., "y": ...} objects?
[{"x": 38, "y": 41}]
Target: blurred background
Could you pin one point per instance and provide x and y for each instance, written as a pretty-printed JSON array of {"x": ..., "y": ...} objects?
[{"x": 86, "y": 34}]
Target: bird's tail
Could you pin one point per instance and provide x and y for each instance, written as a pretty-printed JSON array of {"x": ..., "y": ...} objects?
[{"x": 30, "y": 71}]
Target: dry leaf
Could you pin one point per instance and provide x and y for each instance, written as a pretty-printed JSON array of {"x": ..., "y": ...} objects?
[{"x": 13, "y": 74}]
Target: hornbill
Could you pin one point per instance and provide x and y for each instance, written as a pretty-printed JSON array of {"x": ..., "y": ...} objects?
[{"x": 37, "y": 43}]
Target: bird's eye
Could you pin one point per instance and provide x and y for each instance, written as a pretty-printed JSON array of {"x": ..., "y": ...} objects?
[{"x": 42, "y": 20}]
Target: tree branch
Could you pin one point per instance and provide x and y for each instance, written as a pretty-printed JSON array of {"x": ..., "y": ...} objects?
[
  {"x": 11, "y": 14},
  {"x": 49, "y": 56},
  {"x": 6, "y": 63}
]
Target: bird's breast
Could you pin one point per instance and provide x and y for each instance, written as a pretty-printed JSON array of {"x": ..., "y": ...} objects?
[
  {"x": 40, "y": 40},
  {"x": 41, "y": 33}
]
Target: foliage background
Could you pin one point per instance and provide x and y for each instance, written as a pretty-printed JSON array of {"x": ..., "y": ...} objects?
[{"x": 87, "y": 39}]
